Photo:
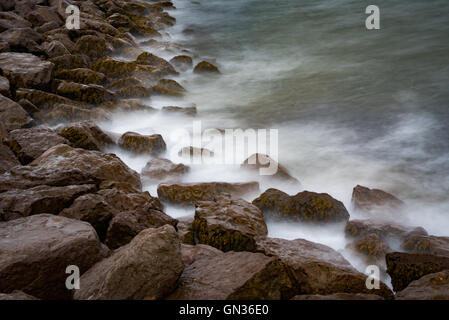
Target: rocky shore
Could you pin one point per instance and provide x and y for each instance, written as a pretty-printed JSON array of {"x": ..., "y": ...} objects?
[{"x": 65, "y": 201}]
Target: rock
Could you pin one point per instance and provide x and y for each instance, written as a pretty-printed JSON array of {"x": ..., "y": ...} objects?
[
  {"x": 4, "y": 87},
  {"x": 147, "y": 268},
  {"x": 28, "y": 106},
  {"x": 54, "y": 48},
  {"x": 89, "y": 93},
  {"x": 114, "y": 68},
  {"x": 234, "y": 276},
  {"x": 96, "y": 164},
  {"x": 126, "y": 225},
  {"x": 318, "y": 269},
  {"x": 369, "y": 199},
  {"x": 81, "y": 75},
  {"x": 168, "y": 87},
  {"x": 69, "y": 112},
  {"x": 15, "y": 204},
  {"x": 12, "y": 115},
  {"x": 127, "y": 105},
  {"x": 188, "y": 111},
  {"x": 185, "y": 230},
  {"x": 91, "y": 46},
  {"x": 386, "y": 231},
  {"x": 189, "y": 193},
  {"x": 422, "y": 243},
  {"x": 7, "y": 159},
  {"x": 4, "y": 46},
  {"x": 228, "y": 224},
  {"x": 25, "y": 70},
  {"x": 304, "y": 206},
  {"x": 42, "y": 15},
  {"x": 86, "y": 135},
  {"x": 22, "y": 40},
  {"x": 46, "y": 27},
  {"x": 11, "y": 20},
  {"x": 192, "y": 253},
  {"x": 182, "y": 63},
  {"x": 125, "y": 197},
  {"x": 134, "y": 92},
  {"x": 134, "y": 142},
  {"x": 41, "y": 99},
  {"x": 372, "y": 248},
  {"x": 163, "y": 170},
  {"x": 162, "y": 65},
  {"x": 28, "y": 144},
  {"x": 70, "y": 61},
  {"x": 205, "y": 67},
  {"x": 339, "y": 296},
  {"x": 35, "y": 252},
  {"x": 194, "y": 152},
  {"x": 404, "y": 268},
  {"x": 16, "y": 295},
  {"x": 434, "y": 286}
]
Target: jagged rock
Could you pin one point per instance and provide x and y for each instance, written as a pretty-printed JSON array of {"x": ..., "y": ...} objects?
[
  {"x": 28, "y": 144},
  {"x": 147, "y": 268},
  {"x": 91, "y": 46},
  {"x": 189, "y": 111},
  {"x": 70, "y": 61},
  {"x": 128, "y": 199},
  {"x": 422, "y": 243},
  {"x": 234, "y": 276},
  {"x": 163, "y": 170},
  {"x": 386, "y": 231},
  {"x": 35, "y": 252},
  {"x": 304, "y": 206},
  {"x": 4, "y": 87},
  {"x": 183, "y": 63},
  {"x": 134, "y": 142},
  {"x": 96, "y": 164},
  {"x": 22, "y": 40},
  {"x": 205, "y": 67},
  {"x": 12, "y": 115},
  {"x": 86, "y": 135},
  {"x": 318, "y": 269},
  {"x": 369, "y": 199},
  {"x": 54, "y": 48},
  {"x": 16, "y": 295},
  {"x": 339, "y": 296},
  {"x": 189, "y": 193},
  {"x": 89, "y": 93},
  {"x": 185, "y": 230},
  {"x": 228, "y": 224},
  {"x": 404, "y": 268},
  {"x": 25, "y": 70},
  {"x": 434, "y": 286}
]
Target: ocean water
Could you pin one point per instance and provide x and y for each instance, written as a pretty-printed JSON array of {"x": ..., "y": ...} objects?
[{"x": 351, "y": 106}]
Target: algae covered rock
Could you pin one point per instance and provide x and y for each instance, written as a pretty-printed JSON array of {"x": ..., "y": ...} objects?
[
  {"x": 368, "y": 199},
  {"x": 134, "y": 142},
  {"x": 434, "y": 286},
  {"x": 206, "y": 67},
  {"x": 163, "y": 170},
  {"x": 12, "y": 115},
  {"x": 86, "y": 135},
  {"x": 89, "y": 93},
  {"x": 81, "y": 75},
  {"x": 182, "y": 62}
]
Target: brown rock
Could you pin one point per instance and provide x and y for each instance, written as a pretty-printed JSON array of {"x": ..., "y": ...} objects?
[
  {"x": 205, "y": 67},
  {"x": 386, "y": 231},
  {"x": 41, "y": 15},
  {"x": 81, "y": 75},
  {"x": 22, "y": 40},
  {"x": 188, "y": 111},
  {"x": 192, "y": 253},
  {"x": 185, "y": 230},
  {"x": 128, "y": 200},
  {"x": 368, "y": 199},
  {"x": 434, "y": 286},
  {"x": 427, "y": 244},
  {"x": 16, "y": 295},
  {"x": 372, "y": 248},
  {"x": 168, "y": 87},
  {"x": 7, "y": 159},
  {"x": 12, "y": 115},
  {"x": 91, "y": 46},
  {"x": 134, "y": 142},
  {"x": 89, "y": 93},
  {"x": 69, "y": 112},
  {"x": 339, "y": 296},
  {"x": 54, "y": 48},
  {"x": 165, "y": 67},
  {"x": 86, "y": 135},
  {"x": 163, "y": 170},
  {"x": 4, "y": 87},
  {"x": 70, "y": 61},
  {"x": 182, "y": 63}
]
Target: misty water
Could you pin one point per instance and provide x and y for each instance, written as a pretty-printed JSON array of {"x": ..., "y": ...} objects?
[{"x": 351, "y": 106}]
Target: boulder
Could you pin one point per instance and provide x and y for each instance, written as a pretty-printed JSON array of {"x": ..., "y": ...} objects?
[
  {"x": 69, "y": 113},
  {"x": 146, "y": 268},
  {"x": 28, "y": 106},
  {"x": 194, "y": 152},
  {"x": 70, "y": 61},
  {"x": 339, "y": 296},
  {"x": 127, "y": 105},
  {"x": 182, "y": 63},
  {"x": 43, "y": 100},
  {"x": 41, "y": 15},
  {"x": 192, "y": 253},
  {"x": 35, "y": 252},
  {"x": 12, "y": 115},
  {"x": 54, "y": 48},
  {"x": 188, "y": 111},
  {"x": 150, "y": 144},
  {"x": 89, "y": 93},
  {"x": 404, "y": 268},
  {"x": 304, "y": 206},
  {"x": 386, "y": 231},
  {"x": 165, "y": 67},
  {"x": 46, "y": 27},
  {"x": 28, "y": 144},
  {"x": 434, "y": 286},
  {"x": 168, "y": 87},
  {"x": 11, "y": 20},
  {"x": 22, "y": 40},
  {"x": 366, "y": 199},
  {"x": 189, "y": 193},
  {"x": 163, "y": 170},
  {"x": 185, "y": 230},
  {"x": 86, "y": 135},
  {"x": 114, "y": 68},
  {"x": 96, "y": 164},
  {"x": 91, "y": 46},
  {"x": 16, "y": 295},
  {"x": 234, "y": 276},
  {"x": 228, "y": 224},
  {"x": 205, "y": 67},
  {"x": 4, "y": 87},
  {"x": 372, "y": 249},
  {"x": 81, "y": 75},
  {"x": 7, "y": 159},
  {"x": 128, "y": 200},
  {"x": 422, "y": 243}
]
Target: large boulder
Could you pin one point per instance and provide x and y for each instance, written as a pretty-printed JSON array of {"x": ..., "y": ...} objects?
[
  {"x": 387, "y": 231},
  {"x": 42, "y": 14},
  {"x": 12, "y": 115},
  {"x": 228, "y": 224},
  {"x": 371, "y": 248},
  {"x": 165, "y": 67},
  {"x": 146, "y": 268},
  {"x": 404, "y": 268},
  {"x": 422, "y": 243},
  {"x": 134, "y": 142},
  {"x": 189, "y": 193},
  {"x": 182, "y": 63},
  {"x": 26, "y": 70},
  {"x": 28, "y": 144},
  {"x": 318, "y": 269},
  {"x": 88, "y": 93},
  {"x": 92, "y": 46},
  {"x": 22, "y": 40},
  {"x": 125, "y": 197},
  {"x": 81, "y": 75},
  {"x": 86, "y": 135},
  {"x": 234, "y": 276},
  {"x": 434, "y": 286},
  {"x": 366, "y": 199},
  {"x": 206, "y": 67},
  {"x": 304, "y": 206},
  {"x": 35, "y": 252},
  {"x": 163, "y": 170},
  {"x": 99, "y": 165}
]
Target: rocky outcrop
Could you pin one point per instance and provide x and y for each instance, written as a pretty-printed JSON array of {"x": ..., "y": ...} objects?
[
  {"x": 147, "y": 268},
  {"x": 12, "y": 115},
  {"x": 86, "y": 135},
  {"x": 35, "y": 252},
  {"x": 434, "y": 286},
  {"x": 163, "y": 170},
  {"x": 205, "y": 67},
  {"x": 367, "y": 199},
  {"x": 304, "y": 206},
  {"x": 134, "y": 142}
]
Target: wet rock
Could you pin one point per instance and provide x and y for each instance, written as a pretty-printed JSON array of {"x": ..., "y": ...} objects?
[
  {"x": 41, "y": 99},
  {"x": 134, "y": 142},
  {"x": 25, "y": 70},
  {"x": 4, "y": 87},
  {"x": 12, "y": 115},
  {"x": 35, "y": 252},
  {"x": 404, "y": 268},
  {"x": 28, "y": 106},
  {"x": 124, "y": 83},
  {"x": 124, "y": 198},
  {"x": 386, "y": 231},
  {"x": 22, "y": 40},
  {"x": 134, "y": 92},
  {"x": 188, "y": 111},
  {"x": 190, "y": 193},
  {"x": 96, "y": 164},
  {"x": 318, "y": 269},
  {"x": 234, "y": 276},
  {"x": 165, "y": 67},
  {"x": 28, "y": 144},
  {"x": 86, "y": 135},
  {"x": 163, "y": 170},
  {"x": 91, "y": 46},
  {"x": 368, "y": 199},
  {"x": 69, "y": 112},
  {"x": 185, "y": 230},
  {"x": 89, "y": 93},
  {"x": 7, "y": 159},
  {"x": 114, "y": 68},
  {"x": 304, "y": 206},
  {"x": 46, "y": 27},
  {"x": 194, "y": 152},
  {"x": 422, "y": 243},
  {"x": 70, "y": 61},
  {"x": 434, "y": 286},
  {"x": 182, "y": 63},
  {"x": 168, "y": 87},
  {"x": 192, "y": 253},
  {"x": 147, "y": 268},
  {"x": 54, "y": 48},
  {"x": 228, "y": 224},
  {"x": 41, "y": 15},
  {"x": 16, "y": 295},
  {"x": 339, "y": 296},
  {"x": 11, "y": 20},
  {"x": 205, "y": 67},
  {"x": 127, "y": 105},
  {"x": 372, "y": 248}
]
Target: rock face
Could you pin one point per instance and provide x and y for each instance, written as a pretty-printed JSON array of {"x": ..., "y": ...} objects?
[
  {"x": 339, "y": 296},
  {"x": 28, "y": 144},
  {"x": 417, "y": 243},
  {"x": 368, "y": 199},
  {"x": 304, "y": 206},
  {"x": 86, "y": 135},
  {"x": 404, "y": 268},
  {"x": 99, "y": 165},
  {"x": 134, "y": 142},
  {"x": 147, "y": 268},
  {"x": 318, "y": 269},
  {"x": 228, "y": 224},
  {"x": 12, "y": 115},
  {"x": 25, "y": 70},
  {"x": 35, "y": 252},
  {"x": 163, "y": 170},
  {"x": 189, "y": 193},
  {"x": 234, "y": 276},
  {"x": 434, "y": 286},
  {"x": 205, "y": 67}
]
